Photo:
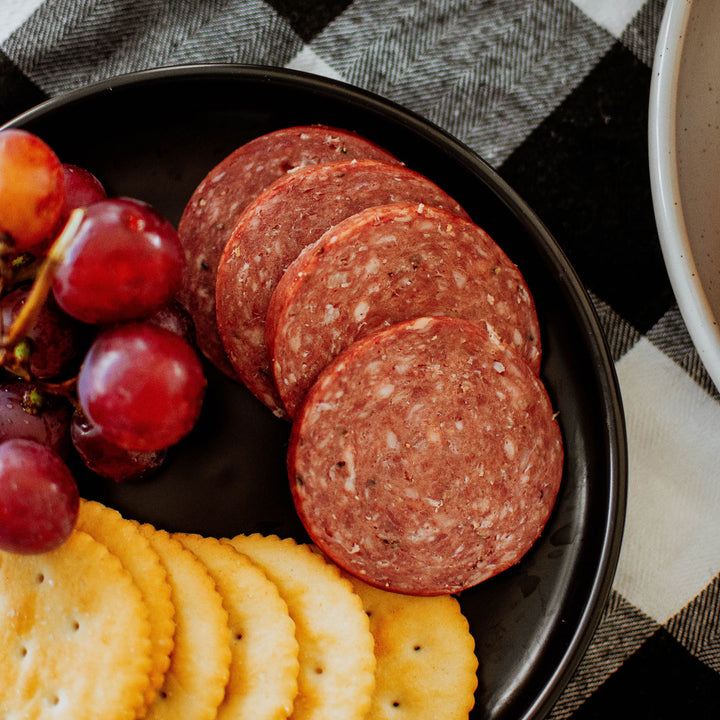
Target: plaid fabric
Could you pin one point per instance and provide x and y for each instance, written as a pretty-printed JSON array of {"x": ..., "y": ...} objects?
[{"x": 554, "y": 94}]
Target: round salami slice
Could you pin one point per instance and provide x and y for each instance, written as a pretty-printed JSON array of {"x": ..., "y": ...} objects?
[
  {"x": 426, "y": 458},
  {"x": 291, "y": 213},
  {"x": 225, "y": 192},
  {"x": 384, "y": 265}
]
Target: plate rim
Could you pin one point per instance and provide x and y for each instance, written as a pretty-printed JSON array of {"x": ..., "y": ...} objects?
[
  {"x": 674, "y": 238},
  {"x": 615, "y": 436}
]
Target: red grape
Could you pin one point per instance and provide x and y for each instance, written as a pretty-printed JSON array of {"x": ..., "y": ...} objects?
[
  {"x": 107, "y": 459},
  {"x": 176, "y": 318},
  {"x": 32, "y": 188},
  {"x": 26, "y": 412},
  {"x": 125, "y": 262},
  {"x": 55, "y": 340},
  {"x": 38, "y": 498},
  {"x": 82, "y": 189},
  {"x": 142, "y": 385}
]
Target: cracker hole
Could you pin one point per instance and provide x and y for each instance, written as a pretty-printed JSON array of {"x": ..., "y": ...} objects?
[
  {"x": 40, "y": 578},
  {"x": 396, "y": 703},
  {"x": 23, "y": 651},
  {"x": 75, "y": 625},
  {"x": 238, "y": 636},
  {"x": 318, "y": 671},
  {"x": 417, "y": 648},
  {"x": 53, "y": 700}
]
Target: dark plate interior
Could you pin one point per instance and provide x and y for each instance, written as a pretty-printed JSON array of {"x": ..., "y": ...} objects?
[{"x": 154, "y": 135}]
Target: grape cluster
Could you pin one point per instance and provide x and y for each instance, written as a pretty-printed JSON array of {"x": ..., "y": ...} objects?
[{"x": 96, "y": 354}]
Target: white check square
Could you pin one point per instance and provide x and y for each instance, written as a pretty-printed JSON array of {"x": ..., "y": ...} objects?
[
  {"x": 671, "y": 546},
  {"x": 13, "y": 13},
  {"x": 308, "y": 61},
  {"x": 613, "y": 15}
]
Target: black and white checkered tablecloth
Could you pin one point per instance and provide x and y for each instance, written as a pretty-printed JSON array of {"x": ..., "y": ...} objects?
[{"x": 554, "y": 94}]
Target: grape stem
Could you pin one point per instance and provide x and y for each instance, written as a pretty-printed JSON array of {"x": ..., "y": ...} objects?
[
  {"x": 65, "y": 388},
  {"x": 43, "y": 283}
]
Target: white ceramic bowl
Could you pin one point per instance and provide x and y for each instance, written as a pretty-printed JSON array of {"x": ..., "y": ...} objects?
[{"x": 684, "y": 147}]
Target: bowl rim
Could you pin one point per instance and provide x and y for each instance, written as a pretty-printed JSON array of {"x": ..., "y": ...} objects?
[{"x": 667, "y": 199}]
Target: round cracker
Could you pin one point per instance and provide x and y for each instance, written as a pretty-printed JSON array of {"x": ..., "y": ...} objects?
[
  {"x": 199, "y": 668},
  {"x": 74, "y": 633},
  {"x": 264, "y": 665},
  {"x": 426, "y": 663},
  {"x": 337, "y": 664},
  {"x": 123, "y": 539}
]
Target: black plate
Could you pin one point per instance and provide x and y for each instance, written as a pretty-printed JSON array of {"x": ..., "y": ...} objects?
[{"x": 154, "y": 135}]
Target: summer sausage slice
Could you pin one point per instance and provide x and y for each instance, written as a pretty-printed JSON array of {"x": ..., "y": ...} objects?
[
  {"x": 426, "y": 458},
  {"x": 290, "y": 214},
  {"x": 225, "y": 192},
  {"x": 384, "y": 265}
]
